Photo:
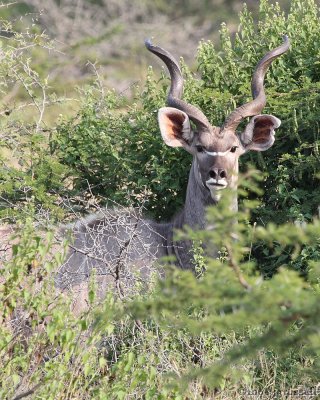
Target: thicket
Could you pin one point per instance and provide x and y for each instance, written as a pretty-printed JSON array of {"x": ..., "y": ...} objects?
[{"x": 250, "y": 322}]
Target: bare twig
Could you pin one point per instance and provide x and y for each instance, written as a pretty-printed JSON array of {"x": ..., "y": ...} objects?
[
  {"x": 28, "y": 392},
  {"x": 233, "y": 264},
  {"x": 9, "y": 4}
]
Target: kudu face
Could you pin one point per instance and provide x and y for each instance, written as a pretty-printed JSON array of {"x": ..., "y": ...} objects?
[{"x": 216, "y": 150}]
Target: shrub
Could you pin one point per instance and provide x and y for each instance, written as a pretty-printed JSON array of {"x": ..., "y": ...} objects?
[{"x": 227, "y": 333}]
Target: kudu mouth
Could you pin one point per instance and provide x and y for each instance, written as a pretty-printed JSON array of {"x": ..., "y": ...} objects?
[{"x": 214, "y": 184}]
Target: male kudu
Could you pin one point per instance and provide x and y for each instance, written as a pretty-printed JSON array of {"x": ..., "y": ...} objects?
[{"x": 117, "y": 244}]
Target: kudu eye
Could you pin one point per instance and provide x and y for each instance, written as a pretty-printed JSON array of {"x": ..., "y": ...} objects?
[
  {"x": 199, "y": 148},
  {"x": 233, "y": 149}
]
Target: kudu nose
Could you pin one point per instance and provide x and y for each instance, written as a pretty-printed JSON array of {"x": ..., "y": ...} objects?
[{"x": 217, "y": 173}]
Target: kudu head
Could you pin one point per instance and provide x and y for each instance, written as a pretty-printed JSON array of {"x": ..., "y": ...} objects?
[{"x": 216, "y": 150}]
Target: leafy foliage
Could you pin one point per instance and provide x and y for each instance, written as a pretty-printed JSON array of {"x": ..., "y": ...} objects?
[
  {"x": 115, "y": 152},
  {"x": 276, "y": 315},
  {"x": 224, "y": 334}
]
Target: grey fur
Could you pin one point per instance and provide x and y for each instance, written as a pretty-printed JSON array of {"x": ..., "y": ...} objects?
[{"x": 124, "y": 247}]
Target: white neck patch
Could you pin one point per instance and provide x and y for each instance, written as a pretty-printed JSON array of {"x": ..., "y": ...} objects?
[{"x": 217, "y": 153}]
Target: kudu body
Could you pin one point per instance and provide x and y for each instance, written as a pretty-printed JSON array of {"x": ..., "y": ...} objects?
[{"x": 118, "y": 244}]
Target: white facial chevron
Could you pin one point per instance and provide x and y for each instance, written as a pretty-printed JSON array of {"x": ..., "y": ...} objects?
[{"x": 217, "y": 153}]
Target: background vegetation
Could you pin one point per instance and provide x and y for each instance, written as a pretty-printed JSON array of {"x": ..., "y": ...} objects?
[{"x": 250, "y": 323}]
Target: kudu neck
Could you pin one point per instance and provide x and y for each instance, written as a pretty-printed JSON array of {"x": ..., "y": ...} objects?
[{"x": 198, "y": 197}]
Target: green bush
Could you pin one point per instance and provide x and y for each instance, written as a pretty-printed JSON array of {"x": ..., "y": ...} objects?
[
  {"x": 227, "y": 333},
  {"x": 116, "y": 152},
  {"x": 278, "y": 317}
]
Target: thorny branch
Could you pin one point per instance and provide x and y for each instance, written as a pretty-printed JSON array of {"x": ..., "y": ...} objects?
[
  {"x": 233, "y": 264},
  {"x": 90, "y": 255},
  {"x": 119, "y": 263},
  {"x": 9, "y": 4},
  {"x": 28, "y": 392}
]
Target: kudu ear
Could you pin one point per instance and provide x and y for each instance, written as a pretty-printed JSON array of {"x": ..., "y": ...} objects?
[
  {"x": 259, "y": 133},
  {"x": 175, "y": 127}
]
